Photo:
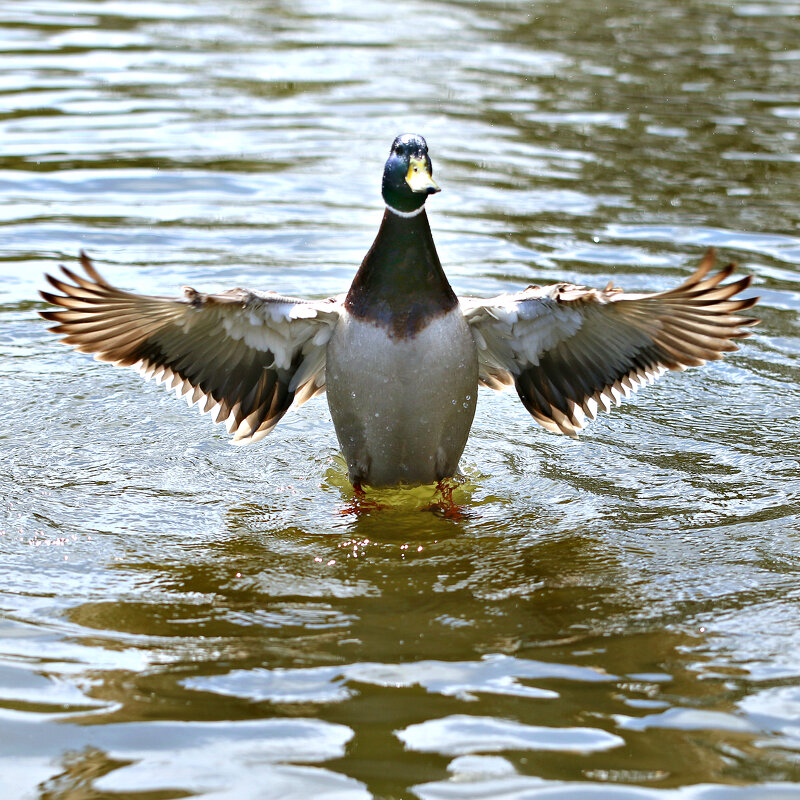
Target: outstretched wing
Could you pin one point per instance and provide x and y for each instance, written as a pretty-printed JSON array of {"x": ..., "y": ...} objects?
[
  {"x": 570, "y": 350},
  {"x": 244, "y": 356}
]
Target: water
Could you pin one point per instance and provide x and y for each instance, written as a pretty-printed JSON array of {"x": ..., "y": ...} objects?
[{"x": 616, "y": 617}]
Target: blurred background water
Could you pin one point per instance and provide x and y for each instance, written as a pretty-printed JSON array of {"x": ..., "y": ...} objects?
[{"x": 616, "y": 617}]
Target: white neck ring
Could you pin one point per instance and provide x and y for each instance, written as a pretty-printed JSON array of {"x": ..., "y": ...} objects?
[{"x": 406, "y": 214}]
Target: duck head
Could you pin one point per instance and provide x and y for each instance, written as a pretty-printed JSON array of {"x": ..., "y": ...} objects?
[{"x": 407, "y": 180}]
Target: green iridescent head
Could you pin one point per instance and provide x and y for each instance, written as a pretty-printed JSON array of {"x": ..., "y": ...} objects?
[{"x": 407, "y": 180}]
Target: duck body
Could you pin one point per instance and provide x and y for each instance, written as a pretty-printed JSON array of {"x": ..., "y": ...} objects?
[
  {"x": 400, "y": 356},
  {"x": 403, "y": 409}
]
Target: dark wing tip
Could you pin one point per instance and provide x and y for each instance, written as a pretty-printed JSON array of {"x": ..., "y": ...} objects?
[
  {"x": 705, "y": 266},
  {"x": 88, "y": 267},
  {"x": 55, "y": 283}
]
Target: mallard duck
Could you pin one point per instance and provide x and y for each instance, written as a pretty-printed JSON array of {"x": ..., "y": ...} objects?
[{"x": 400, "y": 356}]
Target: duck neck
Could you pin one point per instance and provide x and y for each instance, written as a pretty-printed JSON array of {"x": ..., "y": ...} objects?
[{"x": 401, "y": 284}]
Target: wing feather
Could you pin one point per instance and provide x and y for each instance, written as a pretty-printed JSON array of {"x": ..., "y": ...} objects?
[
  {"x": 246, "y": 357},
  {"x": 572, "y": 351}
]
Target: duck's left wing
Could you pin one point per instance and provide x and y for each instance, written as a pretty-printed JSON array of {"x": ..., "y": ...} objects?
[
  {"x": 570, "y": 350},
  {"x": 244, "y": 356}
]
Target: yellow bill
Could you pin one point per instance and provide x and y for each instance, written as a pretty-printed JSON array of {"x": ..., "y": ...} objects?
[{"x": 419, "y": 179}]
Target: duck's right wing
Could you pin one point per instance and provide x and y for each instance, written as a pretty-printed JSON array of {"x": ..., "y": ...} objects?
[{"x": 244, "y": 356}]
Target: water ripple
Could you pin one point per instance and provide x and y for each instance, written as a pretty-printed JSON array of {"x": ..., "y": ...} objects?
[{"x": 461, "y": 734}]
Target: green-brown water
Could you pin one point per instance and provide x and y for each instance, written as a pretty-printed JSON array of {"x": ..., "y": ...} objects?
[{"x": 617, "y": 617}]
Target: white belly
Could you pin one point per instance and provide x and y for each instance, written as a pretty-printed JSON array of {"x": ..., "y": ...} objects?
[{"x": 402, "y": 408}]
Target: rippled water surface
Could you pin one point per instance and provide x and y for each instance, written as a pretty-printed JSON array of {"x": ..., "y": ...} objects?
[{"x": 615, "y": 617}]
